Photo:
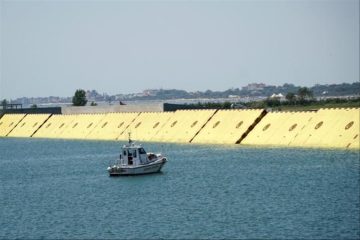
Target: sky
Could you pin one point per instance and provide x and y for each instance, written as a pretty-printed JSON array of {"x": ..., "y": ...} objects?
[{"x": 52, "y": 48}]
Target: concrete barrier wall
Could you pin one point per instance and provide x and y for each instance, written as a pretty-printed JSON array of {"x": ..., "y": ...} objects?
[{"x": 326, "y": 128}]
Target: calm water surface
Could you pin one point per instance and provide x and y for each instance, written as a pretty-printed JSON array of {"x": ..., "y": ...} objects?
[{"x": 60, "y": 189}]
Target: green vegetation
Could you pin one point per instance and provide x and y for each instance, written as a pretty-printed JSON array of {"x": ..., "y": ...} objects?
[
  {"x": 79, "y": 99},
  {"x": 326, "y": 103},
  {"x": 93, "y": 103},
  {"x": 300, "y": 105},
  {"x": 210, "y": 105},
  {"x": 305, "y": 94},
  {"x": 301, "y": 101},
  {"x": 276, "y": 104},
  {"x": 343, "y": 89}
]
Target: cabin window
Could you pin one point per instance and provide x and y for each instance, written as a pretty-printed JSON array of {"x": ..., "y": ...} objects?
[
  {"x": 124, "y": 153},
  {"x": 142, "y": 151},
  {"x": 132, "y": 153}
]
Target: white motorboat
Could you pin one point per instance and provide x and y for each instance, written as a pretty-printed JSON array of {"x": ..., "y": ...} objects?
[{"x": 135, "y": 161}]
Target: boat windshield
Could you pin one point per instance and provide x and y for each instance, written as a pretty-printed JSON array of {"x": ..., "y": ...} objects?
[{"x": 142, "y": 151}]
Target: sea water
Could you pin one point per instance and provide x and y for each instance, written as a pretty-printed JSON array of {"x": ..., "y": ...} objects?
[{"x": 61, "y": 189}]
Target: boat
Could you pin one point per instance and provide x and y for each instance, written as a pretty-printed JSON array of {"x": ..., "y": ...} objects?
[{"x": 134, "y": 160}]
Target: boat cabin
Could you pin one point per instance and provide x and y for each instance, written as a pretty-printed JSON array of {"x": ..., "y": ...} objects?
[{"x": 132, "y": 154}]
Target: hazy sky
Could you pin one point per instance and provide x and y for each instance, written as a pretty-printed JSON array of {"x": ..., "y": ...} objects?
[{"x": 54, "y": 47}]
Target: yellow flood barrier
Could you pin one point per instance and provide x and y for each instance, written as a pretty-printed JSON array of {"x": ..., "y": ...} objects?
[
  {"x": 278, "y": 128},
  {"x": 346, "y": 130},
  {"x": 55, "y": 126},
  {"x": 228, "y": 126},
  {"x": 331, "y": 128},
  {"x": 146, "y": 126},
  {"x": 81, "y": 126},
  {"x": 8, "y": 123},
  {"x": 112, "y": 125},
  {"x": 29, "y": 125},
  {"x": 183, "y": 126}
]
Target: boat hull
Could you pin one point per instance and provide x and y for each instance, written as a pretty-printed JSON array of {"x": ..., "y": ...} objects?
[{"x": 154, "y": 167}]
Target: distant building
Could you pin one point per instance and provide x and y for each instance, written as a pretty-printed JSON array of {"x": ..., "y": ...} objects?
[
  {"x": 255, "y": 87},
  {"x": 278, "y": 96},
  {"x": 150, "y": 92}
]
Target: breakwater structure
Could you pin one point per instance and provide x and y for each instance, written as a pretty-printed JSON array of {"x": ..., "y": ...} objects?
[{"x": 324, "y": 128}]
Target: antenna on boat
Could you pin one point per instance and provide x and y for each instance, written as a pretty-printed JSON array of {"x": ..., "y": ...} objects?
[{"x": 130, "y": 141}]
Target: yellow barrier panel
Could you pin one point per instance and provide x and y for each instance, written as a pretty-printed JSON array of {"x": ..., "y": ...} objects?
[
  {"x": 331, "y": 128},
  {"x": 289, "y": 127},
  {"x": 81, "y": 126},
  {"x": 28, "y": 125},
  {"x": 8, "y": 122},
  {"x": 112, "y": 125},
  {"x": 64, "y": 123},
  {"x": 278, "y": 128},
  {"x": 183, "y": 125},
  {"x": 333, "y": 138},
  {"x": 54, "y": 126},
  {"x": 146, "y": 126},
  {"x": 352, "y": 129},
  {"x": 227, "y": 126}
]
